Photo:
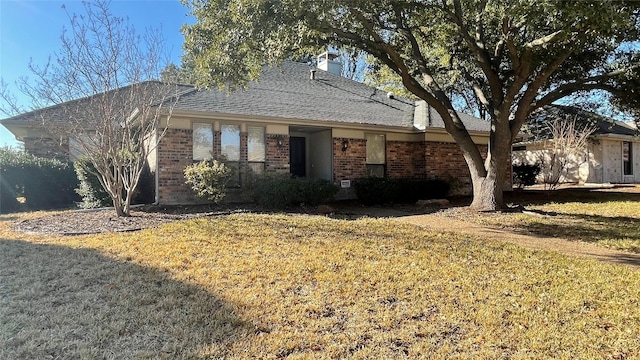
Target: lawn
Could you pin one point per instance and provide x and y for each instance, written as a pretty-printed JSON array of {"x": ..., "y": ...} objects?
[
  {"x": 607, "y": 218},
  {"x": 298, "y": 286}
]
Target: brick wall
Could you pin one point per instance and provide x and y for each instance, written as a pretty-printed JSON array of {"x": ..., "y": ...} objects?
[
  {"x": 47, "y": 148},
  {"x": 445, "y": 161},
  {"x": 350, "y": 164},
  {"x": 406, "y": 159},
  {"x": 175, "y": 152},
  {"x": 277, "y": 157}
]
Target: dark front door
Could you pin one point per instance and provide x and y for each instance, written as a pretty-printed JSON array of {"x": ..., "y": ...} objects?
[{"x": 297, "y": 156}]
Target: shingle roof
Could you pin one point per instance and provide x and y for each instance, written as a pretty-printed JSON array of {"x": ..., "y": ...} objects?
[
  {"x": 288, "y": 92},
  {"x": 61, "y": 112},
  {"x": 584, "y": 119}
]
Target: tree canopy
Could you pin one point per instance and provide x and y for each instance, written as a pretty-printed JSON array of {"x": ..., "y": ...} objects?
[{"x": 502, "y": 59}]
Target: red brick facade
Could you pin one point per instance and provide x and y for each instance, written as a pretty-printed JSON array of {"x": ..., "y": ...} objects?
[
  {"x": 351, "y": 163},
  {"x": 175, "y": 152},
  {"x": 404, "y": 160},
  {"x": 277, "y": 156}
]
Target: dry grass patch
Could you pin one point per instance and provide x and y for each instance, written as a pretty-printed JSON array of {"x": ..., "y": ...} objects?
[
  {"x": 611, "y": 221},
  {"x": 276, "y": 286}
]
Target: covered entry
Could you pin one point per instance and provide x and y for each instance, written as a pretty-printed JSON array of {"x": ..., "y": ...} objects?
[{"x": 311, "y": 152}]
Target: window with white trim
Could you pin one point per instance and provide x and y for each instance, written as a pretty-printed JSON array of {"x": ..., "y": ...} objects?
[
  {"x": 376, "y": 155},
  {"x": 256, "y": 148},
  {"x": 202, "y": 141}
]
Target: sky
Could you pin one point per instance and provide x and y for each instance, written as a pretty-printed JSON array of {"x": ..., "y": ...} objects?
[{"x": 30, "y": 30}]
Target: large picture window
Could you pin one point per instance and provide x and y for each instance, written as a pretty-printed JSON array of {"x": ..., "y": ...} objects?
[
  {"x": 230, "y": 143},
  {"x": 376, "y": 154},
  {"x": 627, "y": 158},
  {"x": 256, "y": 148},
  {"x": 202, "y": 141}
]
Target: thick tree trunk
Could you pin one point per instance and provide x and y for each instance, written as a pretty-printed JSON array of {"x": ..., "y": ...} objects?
[
  {"x": 487, "y": 194},
  {"x": 488, "y": 190}
]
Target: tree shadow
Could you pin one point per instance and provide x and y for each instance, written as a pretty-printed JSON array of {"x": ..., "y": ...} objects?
[
  {"x": 583, "y": 227},
  {"x": 60, "y": 302},
  {"x": 567, "y": 195},
  {"x": 589, "y": 229}
]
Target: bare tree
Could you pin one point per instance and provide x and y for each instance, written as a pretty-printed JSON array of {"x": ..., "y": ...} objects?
[
  {"x": 99, "y": 94},
  {"x": 567, "y": 145}
]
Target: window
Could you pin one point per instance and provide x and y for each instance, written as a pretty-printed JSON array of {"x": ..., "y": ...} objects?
[
  {"x": 256, "y": 149},
  {"x": 202, "y": 141},
  {"x": 230, "y": 142},
  {"x": 375, "y": 153},
  {"x": 627, "y": 158}
]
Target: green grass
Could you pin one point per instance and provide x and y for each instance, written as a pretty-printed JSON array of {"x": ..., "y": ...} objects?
[{"x": 276, "y": 286}]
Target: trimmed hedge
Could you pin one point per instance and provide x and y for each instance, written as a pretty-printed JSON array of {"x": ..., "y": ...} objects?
[
  {"x": 44, "y": 183},
  {"x": 281, "y": 191},
  {"x": 376, "y": 191}
]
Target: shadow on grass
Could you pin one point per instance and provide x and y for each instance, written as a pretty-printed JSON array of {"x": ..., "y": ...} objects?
[
  {"x": 60, "y": 302},
  {"x": 568, "y": 195},
  {"x": 588, "y": 228}
]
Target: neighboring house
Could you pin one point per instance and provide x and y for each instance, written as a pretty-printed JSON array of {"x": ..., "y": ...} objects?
[
  {"x": 612, "y": 154},
  {"x": 306, "y": 122}
]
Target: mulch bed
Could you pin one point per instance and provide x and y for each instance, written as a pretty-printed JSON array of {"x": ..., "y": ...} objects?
[{"x": 105, "y": 220}]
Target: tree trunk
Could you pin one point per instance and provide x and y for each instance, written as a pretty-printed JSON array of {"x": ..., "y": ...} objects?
[
  {"x": 487, "y": 194},
  {"x": 488, "y": 191},
  {"x": 120, "y": 211}
]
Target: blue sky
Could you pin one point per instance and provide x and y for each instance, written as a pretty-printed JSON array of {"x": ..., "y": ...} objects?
[{"x": 31, "y": 29}]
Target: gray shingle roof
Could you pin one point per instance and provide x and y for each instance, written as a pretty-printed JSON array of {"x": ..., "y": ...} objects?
[
  {"x": 536, "y": 124},
  {"x": 288, "y": 92},
  {"x": 155, "y": 90}
]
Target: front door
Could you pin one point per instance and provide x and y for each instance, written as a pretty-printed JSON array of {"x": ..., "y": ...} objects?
[{"x": 297, "y": 156}]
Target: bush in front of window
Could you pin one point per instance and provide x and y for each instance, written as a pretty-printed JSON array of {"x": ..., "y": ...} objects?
[
  {"x": 378, "y": 191},
  {"x": 279, "y": 191},
  {"x": 208, "y": 179}
]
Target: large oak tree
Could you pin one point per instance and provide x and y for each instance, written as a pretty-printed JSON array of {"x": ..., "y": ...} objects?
[{"x": 511, "y": 57}]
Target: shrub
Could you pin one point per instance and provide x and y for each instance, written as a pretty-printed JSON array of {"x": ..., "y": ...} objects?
[
  {"x": 208, "y": 179},
  {"x": 44, "y": 183},
  {"x": 90, "y": 190},
  {"x": 375, "y": 191},
  {"x": 526, "y": 174},
  {"x": 94, "y": 195},
  {"x": 281, "y": 191},
  {"x": 146, "y": 190}
]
